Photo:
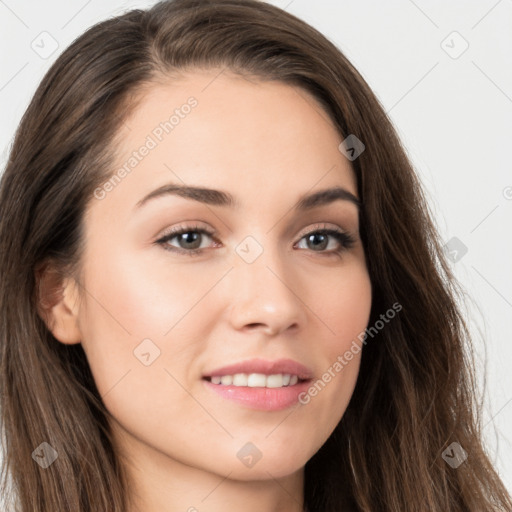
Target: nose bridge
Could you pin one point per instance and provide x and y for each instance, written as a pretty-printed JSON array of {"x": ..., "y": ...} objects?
[
  {"x": 258, "y": 261},
  {"x": 264, "y": 292}
]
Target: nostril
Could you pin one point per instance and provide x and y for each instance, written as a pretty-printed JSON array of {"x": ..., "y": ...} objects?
[{"x": 254, "y": 326}]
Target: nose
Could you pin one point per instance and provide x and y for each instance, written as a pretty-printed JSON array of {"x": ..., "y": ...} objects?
[{"x": 265, "y": 295}]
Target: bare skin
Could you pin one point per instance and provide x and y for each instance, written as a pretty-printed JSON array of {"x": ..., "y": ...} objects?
[{"x": 268, "y": 145}]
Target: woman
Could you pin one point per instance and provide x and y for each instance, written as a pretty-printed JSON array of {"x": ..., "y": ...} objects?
[{"x": 306, "y": 354}]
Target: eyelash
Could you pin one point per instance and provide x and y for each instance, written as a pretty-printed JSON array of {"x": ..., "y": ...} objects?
[{"x": 345, "y": 240}]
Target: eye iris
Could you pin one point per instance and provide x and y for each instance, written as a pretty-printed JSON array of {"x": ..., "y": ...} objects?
[
  {"x": 314, "y": 237},
  {"x": 190, "y": 237}
]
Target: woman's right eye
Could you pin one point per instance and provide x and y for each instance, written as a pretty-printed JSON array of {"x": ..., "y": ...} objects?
[{"x": 189, "y": 236}]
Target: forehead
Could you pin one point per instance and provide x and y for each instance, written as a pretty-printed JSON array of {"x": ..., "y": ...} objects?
[{"x": 217, "y": 129}]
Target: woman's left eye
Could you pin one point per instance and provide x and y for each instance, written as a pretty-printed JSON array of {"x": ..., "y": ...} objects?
[{"x": 190, "y": 240}]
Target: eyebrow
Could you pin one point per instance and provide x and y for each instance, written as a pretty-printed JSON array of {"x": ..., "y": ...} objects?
[{"x": 220, "y": 198}]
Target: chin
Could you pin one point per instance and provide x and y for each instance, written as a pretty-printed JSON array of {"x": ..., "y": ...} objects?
[{"x": 266, "y": 470}]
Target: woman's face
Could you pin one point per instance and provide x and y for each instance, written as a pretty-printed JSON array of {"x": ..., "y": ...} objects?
[{"x": 160, "y": 323}]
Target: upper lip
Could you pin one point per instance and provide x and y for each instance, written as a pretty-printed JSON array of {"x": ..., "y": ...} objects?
[{"x": 266, "y": 367}]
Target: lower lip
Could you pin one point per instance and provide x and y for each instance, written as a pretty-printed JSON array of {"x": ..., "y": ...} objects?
[{"x": 263, "y": 399}]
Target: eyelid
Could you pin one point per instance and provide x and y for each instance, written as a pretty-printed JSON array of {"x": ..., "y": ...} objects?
[
  {"x": 320, "y": 227},
  {"x": 194, "y": 226}
]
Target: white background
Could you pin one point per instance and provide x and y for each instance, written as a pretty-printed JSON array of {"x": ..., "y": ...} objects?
[{"x": 453, "y": 113}]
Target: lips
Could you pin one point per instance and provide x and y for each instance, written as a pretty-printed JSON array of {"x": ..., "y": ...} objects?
[{"x": 260, "y": 384}]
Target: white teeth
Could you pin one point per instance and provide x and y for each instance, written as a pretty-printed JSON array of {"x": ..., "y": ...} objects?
[
  {"x": 256, "y": 380},
  {"x": 240, "y": 379},
  {"x": 227, "y": 380},
  {"x": 274, "y": 381}
]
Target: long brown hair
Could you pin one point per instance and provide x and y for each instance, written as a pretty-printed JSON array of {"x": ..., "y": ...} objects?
[{"x": 416, "y": 391}]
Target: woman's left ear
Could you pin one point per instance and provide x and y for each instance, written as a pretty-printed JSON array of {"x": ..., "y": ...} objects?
[{"x": 57, "y": 304}]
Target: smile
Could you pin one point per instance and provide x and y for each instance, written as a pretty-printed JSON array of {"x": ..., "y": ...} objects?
[{"x": 256, "y": 380}]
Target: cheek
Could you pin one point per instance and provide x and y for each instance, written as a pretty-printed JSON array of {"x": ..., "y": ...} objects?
[
  {"x": 140, "y": 323},
  {"x": 343, "y": 304},
  {"x": 344, "y": 311},
  {"x": 131, "y": 313},
  {"x": 142, "y": 295}
]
